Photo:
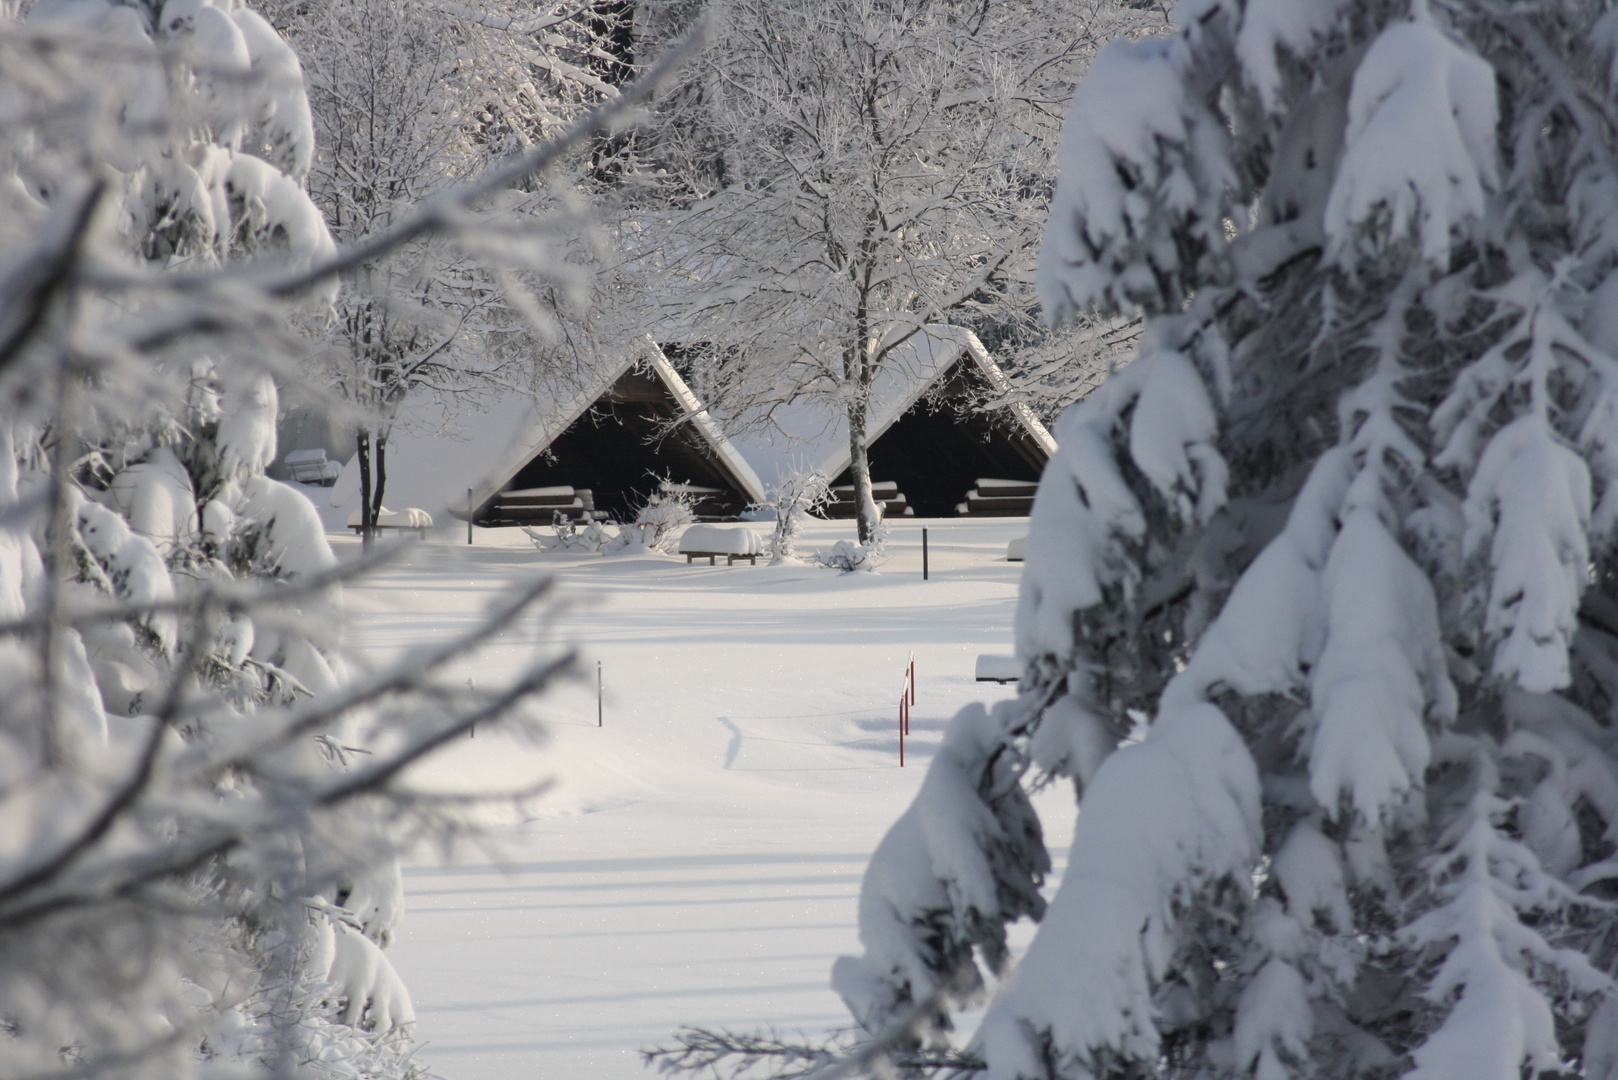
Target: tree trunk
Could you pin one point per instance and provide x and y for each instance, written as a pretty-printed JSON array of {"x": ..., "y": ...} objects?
[
  {"x": 362, "y": 443},
  {"x": 859, "y": 468},
  {"x": 380, "y": 443}
]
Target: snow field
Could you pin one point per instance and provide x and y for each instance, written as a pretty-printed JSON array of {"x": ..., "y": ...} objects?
[{"x": 699, "y": 860}]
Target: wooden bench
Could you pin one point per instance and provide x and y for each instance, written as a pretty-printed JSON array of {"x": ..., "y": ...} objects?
[
  {"x": 998, "y": 669},
  {"x": 730, "y": 557},
  {"x": 419, "y": 530},
  {"x": 311, "y": 467},
  {"x": 409, "y": 519}
]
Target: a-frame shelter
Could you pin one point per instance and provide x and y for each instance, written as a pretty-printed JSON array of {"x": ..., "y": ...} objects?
[
  {"x": 598, "y": 444},
  {"x": 630, "y": 432},
  {"x": 933, "y": 451}
]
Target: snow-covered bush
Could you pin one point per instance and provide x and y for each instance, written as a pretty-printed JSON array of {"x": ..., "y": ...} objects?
[
  {"x": 567, "y": 534},
  {"x": 791, "y": 503},
  {"x": 1342, "y": 540},
  {"x": 172, "y": 750},
  {"x": 848, "y": 555},
  {"x": 657, "y": 525},
  {"x": 200, "y": 809}
]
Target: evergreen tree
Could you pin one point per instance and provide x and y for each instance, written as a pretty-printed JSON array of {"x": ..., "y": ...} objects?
[{"x": 1340, "y": 543}]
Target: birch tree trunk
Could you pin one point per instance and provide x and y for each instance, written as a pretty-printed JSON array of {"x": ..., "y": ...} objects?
[{"x": 866, "y": 514}]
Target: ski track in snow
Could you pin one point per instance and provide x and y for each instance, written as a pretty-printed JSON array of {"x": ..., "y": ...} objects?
[{"x": 699, "y": 860}]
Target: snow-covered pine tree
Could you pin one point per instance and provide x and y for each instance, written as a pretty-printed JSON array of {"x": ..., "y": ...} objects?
[
  {"x": 199, "y": 813},
  {"x": 1339, "y": 546}
]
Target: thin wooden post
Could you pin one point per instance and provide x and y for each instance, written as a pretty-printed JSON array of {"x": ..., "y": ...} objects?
[
  {"x": 924, "y": 553},
  {"x": 912, "y": 678},
  {"x": 598, "y": 693},
  {"x": 469, "y": 516}
]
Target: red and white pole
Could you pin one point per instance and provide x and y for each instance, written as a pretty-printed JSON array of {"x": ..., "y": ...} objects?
[{"x": 901, "y": 730}]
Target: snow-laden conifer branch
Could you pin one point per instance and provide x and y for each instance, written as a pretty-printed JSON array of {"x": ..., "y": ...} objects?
[{"x": 902, "y": 1043}]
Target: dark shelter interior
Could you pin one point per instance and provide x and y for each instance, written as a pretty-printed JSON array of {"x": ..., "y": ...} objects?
[
  {"x": 938, "y": 450},
  {"x": 620, "y": 451}
]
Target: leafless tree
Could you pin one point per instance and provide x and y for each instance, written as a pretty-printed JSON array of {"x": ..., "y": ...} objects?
[
  {"x": 848, "y": 171},
  {"x": 409, "y": 97}
]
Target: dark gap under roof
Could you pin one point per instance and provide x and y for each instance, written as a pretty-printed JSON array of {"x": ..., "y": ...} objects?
[
  {"x": 609, "y": 450},
  {"x": 939, "y": 449}
]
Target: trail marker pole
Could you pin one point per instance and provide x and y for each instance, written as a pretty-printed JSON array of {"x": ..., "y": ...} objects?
[
  {"x": 598, "y": 693},
  {"x": 907, "y": 698},
  {"x": 469, "y": 517},
  {"x": 924, "y": 553}
]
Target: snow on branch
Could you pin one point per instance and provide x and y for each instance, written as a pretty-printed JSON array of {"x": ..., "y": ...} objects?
[
  {"x": 1416, "y": 87},
  {"x": 962, "y": 863},
  {"x": 1135, "y": 871},
  {"x": 1143, "y": 179}
]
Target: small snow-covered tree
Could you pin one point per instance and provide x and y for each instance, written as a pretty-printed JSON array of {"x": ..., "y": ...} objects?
[
  {"x": 792, "y": 500},
  {"x": 1340, "y": 542},
  {"x": 848, "y": 171},
  {"x": 200, "y": 810}
]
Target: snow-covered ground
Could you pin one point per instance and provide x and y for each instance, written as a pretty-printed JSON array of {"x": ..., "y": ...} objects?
[{"x": 700, "y": 857}]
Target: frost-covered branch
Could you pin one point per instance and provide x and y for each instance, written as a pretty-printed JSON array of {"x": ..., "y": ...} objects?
[
  {"x": 192, "y": 779},
  {"x": 898, "y": 1046}
]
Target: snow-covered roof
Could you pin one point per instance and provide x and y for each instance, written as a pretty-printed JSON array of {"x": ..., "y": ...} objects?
[
  {"x": 436, "y": 454},
  {"x": 812, "y": 433}
]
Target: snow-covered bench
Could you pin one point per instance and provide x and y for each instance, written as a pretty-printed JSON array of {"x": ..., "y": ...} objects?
[
  {"x": 411, "y": 518},
  {"x": 712, "y": 542},
  {"x": 999, "y": 669},
  {"x": 311, "y": 467}
]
